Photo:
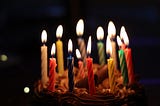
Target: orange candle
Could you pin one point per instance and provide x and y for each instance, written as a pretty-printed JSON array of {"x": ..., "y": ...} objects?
[
  {"x": 52, "y": 69},
  {"x": 89, "y": 60},
  {"x": 128, "y": 55}
]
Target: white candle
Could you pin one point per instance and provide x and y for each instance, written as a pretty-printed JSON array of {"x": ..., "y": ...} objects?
[{"x": 44, "y": 68}]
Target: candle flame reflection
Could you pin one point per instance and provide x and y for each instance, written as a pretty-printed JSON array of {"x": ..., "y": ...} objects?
[
  {"x": 80, "y": 27},
  {"x": 100, "y": 33},
  {"x": 89, "y": 45},
  {"x": 78, "y": 54},
  {"x": 70, "y": 45},
  {"x": 44, "y": 36},
  {"x": 53, "y": 49},
  {"x": 124, "y": 36},
  {"x": 59, "y": 31}
]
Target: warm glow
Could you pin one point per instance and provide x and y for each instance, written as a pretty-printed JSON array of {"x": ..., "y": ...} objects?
[
  {"x": 89, "y": 45},
  {"x": 111, "y": 30},
  {"x": 78, "y": 54},
  {"x": 119, "y": 42},
  {"x": 26, "y": 90},
  {"x": 80, "y": 27},
  {"x": 53, "y": 49},
  {"x": 108, "y": 46},
  {"x": 3, "y": 57},
  {"x": 100, "y": 33},
  {"x": 124, "y": 36},
  {"x": 44, "y": 36},
  {"x": 70, "y": 45},
  {"x": 59, "y": 31}
]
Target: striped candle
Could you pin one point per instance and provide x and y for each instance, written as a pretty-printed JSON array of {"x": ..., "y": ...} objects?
[
  {"x": 128, "y": 54},
  {"x": 123, "y": 65},
  {"x": 100, "y": 45},
  {"x": 111, "y": 66},
  {"x": 81, "y": 43}
]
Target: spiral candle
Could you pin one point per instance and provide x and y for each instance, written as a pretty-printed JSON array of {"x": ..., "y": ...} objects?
[{"x": 123, "y": 66}]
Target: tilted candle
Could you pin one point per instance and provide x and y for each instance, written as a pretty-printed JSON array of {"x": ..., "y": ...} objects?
[
  {"x": 59, "y": 46},
  {"x": 100, "y": 45},
  {"x": 44, "y": 63}
]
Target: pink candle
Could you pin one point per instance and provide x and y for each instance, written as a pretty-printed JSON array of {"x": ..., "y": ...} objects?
[
  {"x": 128, "y": 55},
  {"x": 52, "y": 70},
  {"x": 80, "y": 64},
  {"x": 89, "y": 60}
]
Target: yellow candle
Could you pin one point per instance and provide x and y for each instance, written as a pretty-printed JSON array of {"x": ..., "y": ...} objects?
[
  {"x": 44, "y": 68},
  {"x": 111, "y": 66},
  {"x": 59, "y": 46},
  {"x": 112, "y": 34}
]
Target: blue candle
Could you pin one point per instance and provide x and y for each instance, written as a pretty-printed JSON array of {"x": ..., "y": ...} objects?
[{"x": 70, "y": 67}]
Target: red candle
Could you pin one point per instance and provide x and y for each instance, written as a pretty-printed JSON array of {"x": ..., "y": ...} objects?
[
  {"x": 52, "y": 70},
  {"x": 80, "y": 64},
  {"x": 128, "y": 54},
  {"x": 89, "y": 60}
]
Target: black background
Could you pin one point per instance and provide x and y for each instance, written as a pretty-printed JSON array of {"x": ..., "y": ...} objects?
[{"x": 22, "y": 21}]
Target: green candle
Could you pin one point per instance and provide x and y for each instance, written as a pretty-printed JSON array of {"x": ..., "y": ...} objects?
[{"x": 123, "y": 66}]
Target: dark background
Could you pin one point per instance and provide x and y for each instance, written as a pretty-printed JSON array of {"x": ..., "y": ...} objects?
[{"x": 22, "y": 21}]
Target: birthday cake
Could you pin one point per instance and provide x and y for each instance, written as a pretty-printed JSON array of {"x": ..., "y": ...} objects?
[
  {"x": 93, "y": 84},
  {"x": 132, "y": 95}
]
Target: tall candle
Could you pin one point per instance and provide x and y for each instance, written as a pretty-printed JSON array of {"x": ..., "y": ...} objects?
[
  {"x": 81, "y": 43},
  {"x": 70, "y": 66},
  {"x": 111, "y": 66},
  {"x": 52, "y": 69},
  {"x": 100, "y": 45},
  {"x": 89, "y": 60},
  {"x": 80, "y": 64},
  {"x": 112, "y": 34},
  {"x": 59, "y": 46},
  {"x": 123, "y": 65},
  {"x": 128, "y": 55},
  {"x": 44, "y": 68}
]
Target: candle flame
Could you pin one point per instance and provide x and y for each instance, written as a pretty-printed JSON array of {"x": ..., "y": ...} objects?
[
  {"x": 78, "y": 54},
  {"x": 80, "y": 27},
  {"x": 100, "y": 33},
  {"x": 108, "y": 46},
  {"x": 70, "y": 45},
  {"x": 124, "y": 36},
  {"x": 44, "y": 36},
  {"x": 89, "y": 45},
  {"x": 59, "y": 31},
  {"x": 119, "y": 41},
  {"x": 111, "y": 30},
  {"x": 53, "y": 49}
]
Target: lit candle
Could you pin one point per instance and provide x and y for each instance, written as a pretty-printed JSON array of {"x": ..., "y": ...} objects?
[
  {"x": 112, "y": 34},
  {"x": 59, "y": 47},
  {"x": 100, "y": 45},
  {"x": 123, "y": 65},
  {"x": 81, "y": 43},
  {"x": 70, "y": 66},
  {"x": 80, "y": 64},
  {"x": 111, "y": 66},
  {"x": 89, "y": 60},
  {"x": 128, "y": 55},
  {"x": 44, "y": 68},
  {"x": 52, "y": 69}
]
